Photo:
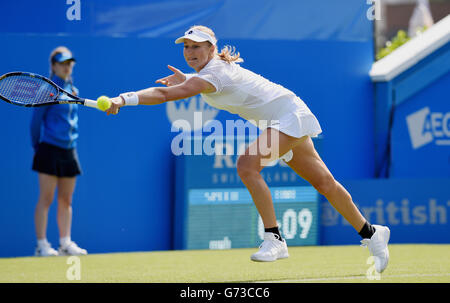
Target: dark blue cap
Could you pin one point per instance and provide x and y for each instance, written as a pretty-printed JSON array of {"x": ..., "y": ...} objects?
[{"x": 61, "y": 57}]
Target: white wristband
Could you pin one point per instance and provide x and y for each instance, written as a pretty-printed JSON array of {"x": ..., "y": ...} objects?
[{"x": 130, "y": 98}]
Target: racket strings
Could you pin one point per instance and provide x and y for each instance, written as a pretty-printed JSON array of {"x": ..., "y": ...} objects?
[{"x": 27, "y": 90}]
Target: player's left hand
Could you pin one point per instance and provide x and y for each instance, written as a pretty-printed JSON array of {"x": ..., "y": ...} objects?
[
  {"x": 116, "y": 104},
  {"x": 176, "y": 78}
]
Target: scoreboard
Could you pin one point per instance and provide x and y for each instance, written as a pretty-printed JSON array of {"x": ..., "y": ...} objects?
[
  {"x": 223, "y": 218},
  {"x": 214, "y": 210}
]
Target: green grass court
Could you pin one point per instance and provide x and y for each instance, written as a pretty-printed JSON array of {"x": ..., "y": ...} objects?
[{"x": 317, "y": 264}]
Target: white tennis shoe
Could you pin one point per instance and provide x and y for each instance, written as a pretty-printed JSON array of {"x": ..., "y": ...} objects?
[
  {"x": 271, "y": 249},
  {"x": 45, "y": 250},
  {"x": 378, "y": 247},
  {"x": 71, "y": 249}
]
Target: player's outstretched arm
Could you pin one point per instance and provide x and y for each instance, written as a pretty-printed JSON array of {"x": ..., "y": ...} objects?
[{"x": 159, "y": 95}]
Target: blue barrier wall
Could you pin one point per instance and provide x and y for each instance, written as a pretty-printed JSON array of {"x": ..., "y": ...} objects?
[
  {"x": 421, "y": 134},
  {"x": 251, "y": 19},
  {"x": 415, "y": 210},
  {"x": 126, "y": 191},
  {"x": 412, "y": 113}
]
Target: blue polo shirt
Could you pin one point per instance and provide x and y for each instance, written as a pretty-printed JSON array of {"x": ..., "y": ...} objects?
[{"x": 56, "y": 124}]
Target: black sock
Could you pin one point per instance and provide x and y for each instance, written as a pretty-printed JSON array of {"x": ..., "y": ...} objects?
[
  {"x": 275, "y": 231},
  {"x": 367, "y": 231}
]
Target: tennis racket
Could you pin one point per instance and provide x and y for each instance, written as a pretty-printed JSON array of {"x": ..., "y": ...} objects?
[{"x": 31, "y": 90}]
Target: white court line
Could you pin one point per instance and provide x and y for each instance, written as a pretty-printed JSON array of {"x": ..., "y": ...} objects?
[{"x": 353, "y": 278}]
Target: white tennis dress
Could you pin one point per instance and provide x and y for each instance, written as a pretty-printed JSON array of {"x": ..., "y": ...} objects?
[
  {"x": 258, "y": 100},
  {"x": 254, "y": 98}
]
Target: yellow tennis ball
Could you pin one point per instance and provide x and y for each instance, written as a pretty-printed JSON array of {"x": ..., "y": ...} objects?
[{"x": 103, "y": 103}]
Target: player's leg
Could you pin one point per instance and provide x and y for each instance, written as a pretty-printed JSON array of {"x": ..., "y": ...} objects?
[
  {"x": 47, "y": 186},
  {"x": 249, "y": 166},
  {"x": 307, "y": 163},
  {"x": 66, "y": 187}
]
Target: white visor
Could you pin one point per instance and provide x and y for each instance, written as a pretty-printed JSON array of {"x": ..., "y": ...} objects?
[{"x": 197, "y": 36}]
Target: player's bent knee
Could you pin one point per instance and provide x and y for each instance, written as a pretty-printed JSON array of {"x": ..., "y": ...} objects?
[
  {"x": 245, "y": 167},
  {"x": 325, "y": 184}
]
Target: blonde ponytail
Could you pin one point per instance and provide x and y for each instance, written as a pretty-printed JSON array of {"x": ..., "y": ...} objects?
[{"x": 228, "y": 54}]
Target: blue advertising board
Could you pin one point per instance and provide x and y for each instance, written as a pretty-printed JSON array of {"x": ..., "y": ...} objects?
[
  {"x": 412, "y": 109},
  {"x": 420, "y": 140},
  {"x": 214, "y": 210},
  {"x": 415, "y": 210}
]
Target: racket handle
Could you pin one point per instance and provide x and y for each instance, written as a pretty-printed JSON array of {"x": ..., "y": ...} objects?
[{"x": 90, "y": 103}]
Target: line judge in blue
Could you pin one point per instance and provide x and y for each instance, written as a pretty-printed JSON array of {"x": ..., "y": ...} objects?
[{"x": 54, "y": 134}]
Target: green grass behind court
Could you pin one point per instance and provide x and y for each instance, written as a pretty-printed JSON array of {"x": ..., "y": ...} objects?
[{"x": 408, "y": 263}]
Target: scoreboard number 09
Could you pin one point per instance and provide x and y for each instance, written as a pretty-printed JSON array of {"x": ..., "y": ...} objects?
[{"x": 292, "y": 223}]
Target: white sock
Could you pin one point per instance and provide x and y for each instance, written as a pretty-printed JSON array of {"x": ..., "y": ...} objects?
[
  {"x": 42, "y": 242},
  {"x": 64, "y": 241}
]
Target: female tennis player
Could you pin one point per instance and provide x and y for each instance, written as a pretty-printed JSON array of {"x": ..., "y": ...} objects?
[
  {"x": 226, "y": 85},
  {"x": 54, "y": 133}
]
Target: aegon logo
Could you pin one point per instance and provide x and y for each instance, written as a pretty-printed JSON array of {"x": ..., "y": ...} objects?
[{"x": 425, "y": 127}]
